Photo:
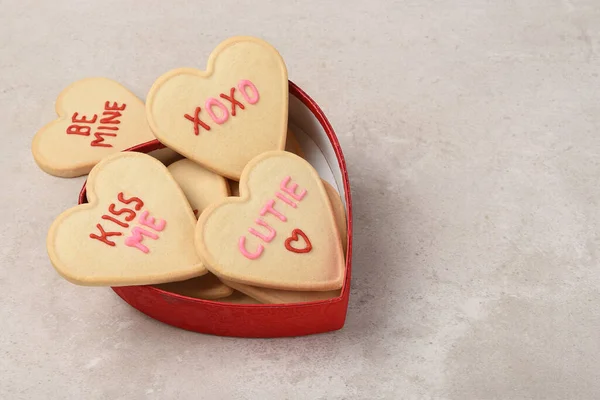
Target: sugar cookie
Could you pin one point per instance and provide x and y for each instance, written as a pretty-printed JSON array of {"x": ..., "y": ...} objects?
[
  {"x": 280, "y": 234},
  {"x": 339, "y": 211},
  {"x": 238, "y": 298},
  {"x": 207, "y": 287},
  {"x": 136, "y": 229},
  {"x": 291, "y": 145},
  {"x": 273, "y": 296},
  {"x": 201, "y": 186},
  {"x": 97, "y": 117},
  {"x": 223, "y": 117}
]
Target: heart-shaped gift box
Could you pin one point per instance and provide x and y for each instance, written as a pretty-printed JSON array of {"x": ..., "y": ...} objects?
[{"x": 323, "y": 151}]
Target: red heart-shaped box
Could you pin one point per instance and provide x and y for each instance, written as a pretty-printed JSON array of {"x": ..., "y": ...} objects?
[{"x": 322, "y": 149}]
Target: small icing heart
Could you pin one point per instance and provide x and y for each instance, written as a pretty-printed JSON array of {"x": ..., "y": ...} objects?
[
  {"x": 290, "y": 246},
  {"x": 97, "y": 117},
  {"x": 137, "y": 228},
  {"x": 244, "y": 239},
  {"x": 223, "y": 117}
]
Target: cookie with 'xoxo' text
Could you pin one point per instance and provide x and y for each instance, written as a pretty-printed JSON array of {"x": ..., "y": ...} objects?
[
  {"x": 280, "y": 233},
  {"x": 97, "y": 117},
  {"x": 137, "y": 228},
  {"x": 223, "y": 117}
]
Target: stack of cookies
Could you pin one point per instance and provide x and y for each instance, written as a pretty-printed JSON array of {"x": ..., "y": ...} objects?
[{"x": 230, "y": 211}]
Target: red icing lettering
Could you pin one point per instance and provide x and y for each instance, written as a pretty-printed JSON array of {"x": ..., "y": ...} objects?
[
  {"x": 135, "y": 240},
  {"x": 266, "y": 239},
  {"x": 104, "y": 235},
  {"x": 116, "y": 221},
  {"x": 246, "y": 253},
  {"x": 291, "y": 190},
  {"x": 243, "y": 85},
  {"x": 150, "y": 222},
  {"x": 114, "y": 107},
  {"x": 268, "y": 209},
  {"x": 83, "y": 119},
  {"x": 129, "y": 217},
  {"x": 197, "y": 121},
  {"x": 232, "y": 100},
  {"x": 79, "y": 130},
  {"x": 98, "y": 142},
  {"x": 139, "y": 203},
  {"x": 294, "y": 238},
  {"x": 110, "y": 117}
]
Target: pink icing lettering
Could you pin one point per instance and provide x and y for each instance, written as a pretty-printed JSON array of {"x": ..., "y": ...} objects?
[
  {"x": 291, "y": 189},
  {"x": 246, "y": 253},
  {"x": 210, "y": 103},
  {"x": 242, "y": 85},
  {"x": 135, "y": 240},
  {"x": 259, "y": 235},
  {"x": 285, "y": 199},
  {"x": 150, "y": 222},
  {"x": 268, "y": 208}
]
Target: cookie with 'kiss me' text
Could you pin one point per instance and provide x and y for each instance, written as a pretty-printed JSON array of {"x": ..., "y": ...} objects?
[
  {"x": 136, "y": 229},
  {"x": 280, "y": 233}
]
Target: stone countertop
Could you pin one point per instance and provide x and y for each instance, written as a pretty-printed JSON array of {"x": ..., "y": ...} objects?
[{"x": 471, "y": 132}]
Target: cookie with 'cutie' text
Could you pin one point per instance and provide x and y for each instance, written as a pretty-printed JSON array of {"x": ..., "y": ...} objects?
[
  {"x": 274, "y": 296},
  {"x": 97, "y": 117},
  {"x": 223, "y": 117},
  {"x": 201, "y": 186},
  {"x": 137, "y": 228},
  {"x": 280, "y": 233}
]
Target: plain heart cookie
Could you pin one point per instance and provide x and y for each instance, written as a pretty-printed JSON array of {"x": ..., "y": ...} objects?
[
  {"x": 223, "y": 117},
  {"x": 201, "y": 186},
  {"x": 207, "y": 287},
  {"x": 137, "y": 228},
  {"x": 97, "y": 117},
  {"x": 274, "y": 296},
  {"x": 280, "y": 234}
]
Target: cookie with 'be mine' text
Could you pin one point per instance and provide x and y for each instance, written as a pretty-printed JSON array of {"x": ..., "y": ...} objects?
[
  {"x": 223, "y": 117},
  {"x": 280, "y": 233},
  {"x": 97, "y": 117},
  {"x": 137, "y": 228}
]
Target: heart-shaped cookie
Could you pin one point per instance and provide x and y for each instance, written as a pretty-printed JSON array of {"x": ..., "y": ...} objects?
[
  {"x": 274, "y": 296},
  {"x": 207, "y": 287},
  {"x": 201, "y": 186},
  {"x": 224, "y": 116},
  {"x": 137, "y": 228},
  {"x": 247, "y": 239},
  {"x": 97, "y": 117}
]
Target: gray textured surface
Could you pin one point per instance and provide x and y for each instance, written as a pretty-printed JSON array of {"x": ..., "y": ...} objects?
[{"x": 471, "y": 130}]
